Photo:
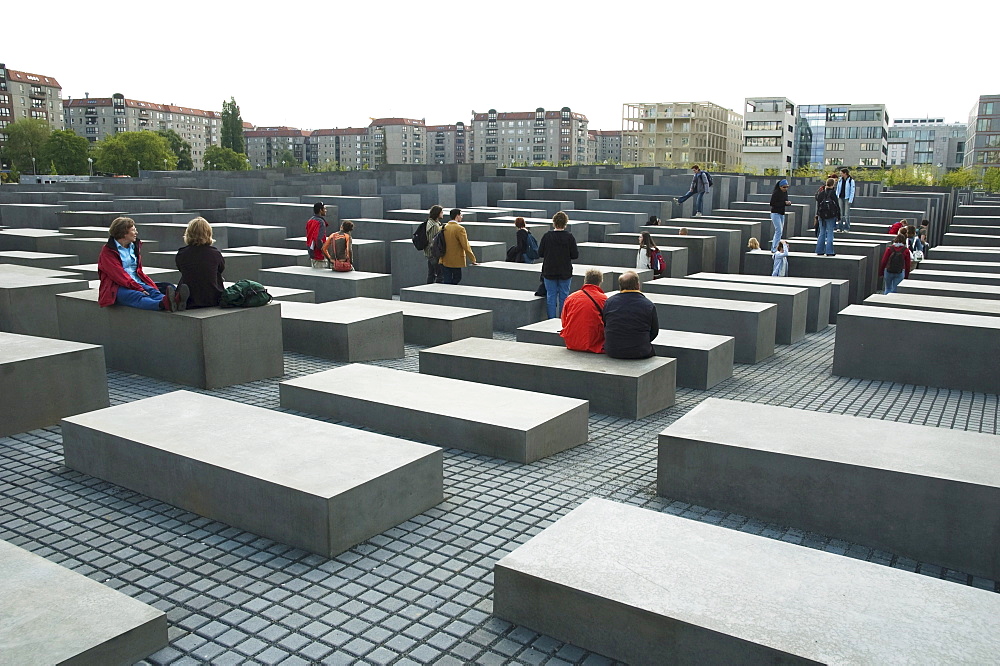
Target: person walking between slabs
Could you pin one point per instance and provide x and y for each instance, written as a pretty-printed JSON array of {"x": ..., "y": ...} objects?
[
  {"x": 895, "y": 264},
  {"x": 557, "y": 250},
  {"x": 457, "y": 249},
  {"x": 701, "y": 183}
]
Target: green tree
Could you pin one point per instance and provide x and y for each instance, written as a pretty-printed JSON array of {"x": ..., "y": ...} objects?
[
  {"x": 180, "y": 148},
  {"x": 127, "y": 152},
  {"x": 66, "y": 152},
  {"x": 225, "y": 159},
  {"x": 286, "y": 156},
  {"x": 232, "y": 126},
  {"x": 26, "y": 140},
  {"x": 991, "y": 179}
]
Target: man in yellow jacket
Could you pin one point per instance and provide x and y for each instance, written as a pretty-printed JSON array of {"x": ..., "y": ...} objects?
[{"x": 457, "y": 249}]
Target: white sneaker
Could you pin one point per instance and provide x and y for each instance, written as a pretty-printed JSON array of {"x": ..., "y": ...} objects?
[{"x": 697, "y": 214}]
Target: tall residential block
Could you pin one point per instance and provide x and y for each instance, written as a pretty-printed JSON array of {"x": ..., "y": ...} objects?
[
  {"x": 26, "y": 95},
  {"x": 982, "y": 148},
  {"x": 95, "y": 118},
  {"x": 832, "y": 135},
  {"x": 529, "y": 137},
  {"x": 607, "y": 146},
  {"x": 448, "y": 144},
  {"x": 769, "y": 134},
  {"x": 681, "y": 133},
  {"x": 926, "y": 142},
  {"x": 276, "y": 146}
]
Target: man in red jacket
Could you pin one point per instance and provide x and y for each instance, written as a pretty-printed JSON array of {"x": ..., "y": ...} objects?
[
  {"x": 583, "y": 325},
  {"x": 316, "y": 235},
  {"x": 123, "y": 282}
]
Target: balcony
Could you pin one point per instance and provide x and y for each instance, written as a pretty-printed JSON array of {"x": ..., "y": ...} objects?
[
  {"x": 37, "y": 92},
  {"x": 90, "y": 112}
]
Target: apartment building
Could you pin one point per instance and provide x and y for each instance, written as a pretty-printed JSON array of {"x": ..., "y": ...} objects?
[
  {"x": 681, "y": 133},
  {"x": 769, "y": 134},
  {"x": 26, "y": 95},
  {"x": 270, "y": 146},
  {"x": 982, "y": 147},
  {"x": 607, "y": 146},
  {"x": 397, "y": 141},
  {"x": 95, "y": 118},
  {"x": 529, "y": 137},
  {"x": 831, "y": 135},
  {"x": 448, "y": 144},
  {"x": 926, "y": 142}
]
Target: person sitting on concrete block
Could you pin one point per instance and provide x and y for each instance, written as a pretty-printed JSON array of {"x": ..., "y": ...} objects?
[
  {"x": 122, "y": 280},
  {"x": 316, "y": 228},
  {"x": 342, "y": 259},
  {"x": 630, "y": 322},
  {"x": 201, "y": 265},
  {"x": 583, "y": 315}
]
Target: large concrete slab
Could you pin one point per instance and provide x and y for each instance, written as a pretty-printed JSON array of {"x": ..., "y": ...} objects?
[
  {"x": 976, "y": 306},
  {"x": 949, "y": 289},
  {"x": 898, "y": 487},
  {"x": 624, "y": 256},
  {"x": 644, "y": 587},
  {"x": 409, "y": 265},
  {"x": 818, "y": 293},
  {"x": 309, "y": 484},
  {"x": 488, "y": 420},
  {"x": 854, "y": 269},
  {"x": 703, "y": 360},
  {"x": 329, "y": 285},
  {"x": 511, "y": 308},
  {"x": 525, "y": 277},
  {"x": 353, "y": 330},
  {"x": 631, "y": 389},
  {"x": 275, "y": 257},
  {"x": 867, "y": 347},
  {"x": 52, "y": 615},
  {"x": 429, "y": 325},
  {"x": 32, "y": 240},
  {"x": 727, "y": 244},
  {"x": 38, "y": 259},
  {"x": 207, "y": 347},
  {"x": 27, "y": 299}
]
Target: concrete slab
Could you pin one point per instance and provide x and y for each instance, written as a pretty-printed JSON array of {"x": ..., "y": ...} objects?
[
  {"x": 309, "y": 484},
  {"x": 275, "y": 257},
  {"x": 854, "y": 269},
  {"x": 329, "y": 285},
  {"x": 631, "y": 389},
  {"x": 32, "y": 240},
  {"x": 89, "y": 272},
  {"x": 511, "y": 308},
  {"x": 27, "y": 300},
  {"x": 644, "y": 587},
  {"x": 353, "y": 330},
  {"x": 488, "y": 420},
  {"x": 430, "y": 325},
  {"x": 818, "y": 293},
  {"x": 409, "y": 265},
  {"x": 525, "y": 277},
  {"x": 976, "y": 306},
  {"x": 38, "y": 259},
  {"x": 949, "y": 289}
]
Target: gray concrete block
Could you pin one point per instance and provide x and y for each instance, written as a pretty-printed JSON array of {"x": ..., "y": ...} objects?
[
  {"x": 206, "y": 347},
  {"x": 525, "y": 277},
  {"x": 329, "y": 285},
  {"x": 748, "y": 229},
  {"x": 501, "y": 231},
  {"x": 409, "y": 265},
  {"x": 27, "y": 300},
  {"x": 89, "y": 249},
  {"x": 488, "y": 420},
  {"x": 871, "y": 250},
  {"x": 53, "y": 615},
  {"x": 239, "y": 266},
  {"x": 32, "y": 240},
  {"x": 353, "y": 330},
  {"x": 949, "y": 289},
  {"x": 30, "y": 215},
  {"x": 644, "y": 587},
  {"x": 511, "y": 308},
  {"x": 38, "y": 259},
  {"x": 80, "y": 218},
  {"x": 46, "y": 379},
  {"x": 753, "y": 325},
  {"x": 630, "y": 389},
  {"x": 291, "y": 217},
  {"x": 148, "y": 205},
  {"x": 199, "y": 198},
  {"x": 579, "y": 197},
  {"x": 867, "y": 347},
  {"x": 349, "y": 208},
  {"x": 171, "y": 234},
  {"x": 792, "y": 302},
  {"x": 976, "y": 306},
  {"x": 626, "y": 221},
  {"x": 429, "y": 325},
  {"x": 309, "y": 484},
  {"x": 274, "y": 257},
  {"x": 818, "y": 293},
  {"x": 703, "y": 360},
  {"x": 968, "y": 278},
  {"x": 854, "y": 269},
  {"x": 89, "y": 272},
  {"x": 727, "y": 244},
  {"x": 624, "y": 257},
  {"x": 895, "y": 486},
  {"x": 551, "y": 207}
]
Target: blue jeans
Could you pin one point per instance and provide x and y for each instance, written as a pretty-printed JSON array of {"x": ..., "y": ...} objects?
[
  {"x": 698, "y": 198},
  {"x": 556, "y": 292},
  {"x": 778, "y": 220},
  {"x": 844, "y": 224},
  {"x": 450, "y": 275},
  {"x": 824, "y": 240},
  {"x": 892, "y": 281},
  {"x": 136, "y": 299}
]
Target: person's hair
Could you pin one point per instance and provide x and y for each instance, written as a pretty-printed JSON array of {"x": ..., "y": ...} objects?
[
  {"x": 347, "y": 226},
  {"x": 830, "y": 182},
  {"x": 925, "y": 223},
  {"x": 900, "y": 238},
  {"x": 695, "y": 166},
  {"x": 317, "y": 207},
  {"x": 646, "y": 241},
  {"x": 455, "y": 212},
  {"x": 120, "y": 226},
  {"x": 519, "y": 223},
  {"x": 777, "y": 186},
  {"x": 435, "y": 213},
  {"x": 683, "y": 231},
  {"x": 628, "y": 280},
  {"x": 780, "y": 243},
  {"x": 846, "y": 170},
  {"x": 593, "y": 276},
  {"x": 560, "y": 220},
  {"x": 198, "y": 232},
  {"x": 753, "y": 244},
  {"x": 911, "y": 231},
  {"x": 653, "y": 219}
]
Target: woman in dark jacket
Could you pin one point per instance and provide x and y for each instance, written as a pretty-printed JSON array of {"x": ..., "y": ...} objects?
[
  {"x": 779, "y": 200},
  {"x": 201, "y": 265},
  {"x": 557, "y": 250}
]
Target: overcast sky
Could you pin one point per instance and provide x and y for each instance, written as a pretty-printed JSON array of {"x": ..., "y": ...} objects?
[{"x": 312, "y": 65}]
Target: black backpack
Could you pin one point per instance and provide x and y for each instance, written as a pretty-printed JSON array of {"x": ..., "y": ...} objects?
[
  {"x": 828, "y": 207},
  {"x": 896, "y": 263},
  {"x": 438, "y": 247},
  {"x": 419, "y": 236},
  {"x": 709, "y": 177}
]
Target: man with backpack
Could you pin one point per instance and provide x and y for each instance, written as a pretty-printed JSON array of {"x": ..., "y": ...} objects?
[
  {"x": 895, "y": 264},
  {"x": 701, "y": 183},
  {"x": 316, "y": 235},
  {"x": 828, "y": 212}
]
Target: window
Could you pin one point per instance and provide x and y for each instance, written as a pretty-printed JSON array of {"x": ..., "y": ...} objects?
[
  {"x": 992, "y": 141},
  {"x": 754, "y": 125},
  {"x": 986, "y": 109},
  {"x": 983, "y": 125},
  {"x": 836, "y": 114},
  {"x": 761, "y": 141},
  {"x": 835, "y": 132},
  {"x": 872, "y": 147},
  {"x": 833, "y": 161},
  {"x": 871, "y": 114},
  {"x": 4, "y": 112},
  {"x": 869, "y": 161},
  {"x": 834, "y": 146}
]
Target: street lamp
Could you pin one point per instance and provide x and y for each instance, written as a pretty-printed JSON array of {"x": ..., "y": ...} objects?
[
  {"x": 248, "y": 164},
  {"x": 208, "y": 163},
  {"x": 34, "y": 172},
  {"x": 164, "y": 163},
  {"x": 91, "y": 161},
  {"x": 138, "y": 169}
]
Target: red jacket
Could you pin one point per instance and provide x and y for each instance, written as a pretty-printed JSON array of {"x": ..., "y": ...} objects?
[
  {"x": 113, "y": 276},
  {"x": 583, "y": 327},
  {"x": 894, "y": 229},
  {"x": 316, "y": 236},
  {"x": 885, "y": 259}
]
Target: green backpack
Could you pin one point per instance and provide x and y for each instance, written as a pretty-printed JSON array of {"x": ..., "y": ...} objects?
[{"x": 245, "y": 294}]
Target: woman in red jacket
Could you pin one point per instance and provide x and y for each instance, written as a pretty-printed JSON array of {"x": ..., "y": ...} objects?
[{"x": 123, "y": 282}]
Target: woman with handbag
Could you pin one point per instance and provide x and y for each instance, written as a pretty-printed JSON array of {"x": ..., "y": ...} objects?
[{"x": 340, "y": 242}]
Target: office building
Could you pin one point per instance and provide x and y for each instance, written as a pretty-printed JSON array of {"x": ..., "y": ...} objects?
[
  {"x": 95, "y": 118},
  {"x": 769, "y": 135},
  {"x": 682, "y": 133},
  {"x": 832, "y": 135},
  {"x": 926, "y": 142},
  {"x": 26, "y": 95},
  {"x": 530, "y": 137},
  {"x": 982, "y": 147}
]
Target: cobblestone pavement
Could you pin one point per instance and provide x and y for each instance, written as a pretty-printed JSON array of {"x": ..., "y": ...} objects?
[{"x": 420, "y": 592}]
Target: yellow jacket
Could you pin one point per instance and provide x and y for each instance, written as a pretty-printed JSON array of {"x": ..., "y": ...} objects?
[{"x": 457, "y": 248}]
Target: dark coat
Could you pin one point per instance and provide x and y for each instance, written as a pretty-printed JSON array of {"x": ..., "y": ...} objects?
[
  {"x": 201, "y": 269},
  {"x": 557, "y": 250},
  {"x": 630, "y": 325}
]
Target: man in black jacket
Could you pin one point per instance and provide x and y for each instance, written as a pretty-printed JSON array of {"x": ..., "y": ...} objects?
[{"x": 630, "y": 323}]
